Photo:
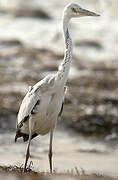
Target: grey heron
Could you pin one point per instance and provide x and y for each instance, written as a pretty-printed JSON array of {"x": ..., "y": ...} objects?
[{"x": 43, "y": 103}]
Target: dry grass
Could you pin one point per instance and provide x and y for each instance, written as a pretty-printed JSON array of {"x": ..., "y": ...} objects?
[{"x": 16, "y": 173}]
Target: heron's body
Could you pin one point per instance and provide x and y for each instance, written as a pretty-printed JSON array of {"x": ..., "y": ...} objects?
[
  {"x": 44, "y": 113},
  {"x": 43, "y": 103}
]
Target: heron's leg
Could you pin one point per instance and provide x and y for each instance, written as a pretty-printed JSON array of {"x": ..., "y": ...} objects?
[
  {"x": 50, "y": 150},
  {"x": 29, "y": 142},
  {"x": 27, "y": 153}
]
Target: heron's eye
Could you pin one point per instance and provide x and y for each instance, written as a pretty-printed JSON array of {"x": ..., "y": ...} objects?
[{"x": 74, "y": 10}]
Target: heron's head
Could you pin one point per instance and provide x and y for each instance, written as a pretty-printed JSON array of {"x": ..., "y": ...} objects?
[{"x": 75, "y": 11}]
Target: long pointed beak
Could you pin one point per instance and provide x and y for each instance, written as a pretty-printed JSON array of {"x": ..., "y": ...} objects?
[{"x": 85, "y": 12}]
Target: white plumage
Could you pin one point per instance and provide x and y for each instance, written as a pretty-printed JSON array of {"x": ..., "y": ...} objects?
[
  {"x": 44, "y": 113},
  {"x": 43, "y": 103}
]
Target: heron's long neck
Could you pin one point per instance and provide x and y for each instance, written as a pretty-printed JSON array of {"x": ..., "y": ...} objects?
[{"x": 65, "y": 65}]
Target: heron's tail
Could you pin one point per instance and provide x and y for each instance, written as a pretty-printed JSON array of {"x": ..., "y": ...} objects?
[
  {"x": 20, "y": 134},
  {"x": 24, "y": 136}
]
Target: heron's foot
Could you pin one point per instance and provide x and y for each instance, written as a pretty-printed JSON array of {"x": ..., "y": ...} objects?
[
  {"x": 50, "y": 161},
  {"x": 50, "y": 171},
  {"x": 24, "y": 169},
  {"x": 26, "y": 161}
]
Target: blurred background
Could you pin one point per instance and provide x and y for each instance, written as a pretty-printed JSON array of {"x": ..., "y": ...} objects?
[{"x": 32, "y": 46}]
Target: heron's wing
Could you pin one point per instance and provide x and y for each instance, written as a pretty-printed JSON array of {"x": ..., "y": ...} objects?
[
  {"x": 31, "y": 103},
  {"x": 28, "y": 106},
  {"x": 33, "y": 96}
]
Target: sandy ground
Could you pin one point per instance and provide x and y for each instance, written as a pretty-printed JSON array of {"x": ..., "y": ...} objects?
[{"x": 70, "y": 151}]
